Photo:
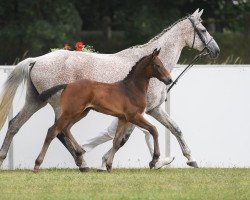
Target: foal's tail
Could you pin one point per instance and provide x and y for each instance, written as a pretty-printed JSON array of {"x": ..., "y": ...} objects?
[
  {"x": 18, "y": 75},
  {"x": 44, "y": 96}
]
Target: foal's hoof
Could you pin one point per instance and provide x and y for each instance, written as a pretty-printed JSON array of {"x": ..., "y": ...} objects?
[
  {"x": 36, "y": 170},
  {"x": 151, "y": 164},
  {"x": 109, "y": 168},
  {"x": 192, "y": 164},
  {"x": 84, "y": 169}
]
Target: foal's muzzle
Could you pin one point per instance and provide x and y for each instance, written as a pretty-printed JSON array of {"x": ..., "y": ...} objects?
[{"x": 167, "y": 81}]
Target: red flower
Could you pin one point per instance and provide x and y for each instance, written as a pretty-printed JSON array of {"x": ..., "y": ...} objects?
[
  {"x": 79, "y": 46},
  {"x": 67, "y": 47}
]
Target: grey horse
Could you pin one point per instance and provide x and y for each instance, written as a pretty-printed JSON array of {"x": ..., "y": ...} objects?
[{"x": 64, "y": 66}]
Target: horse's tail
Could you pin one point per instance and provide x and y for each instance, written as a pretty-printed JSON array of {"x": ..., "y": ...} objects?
[
  {"x": 45, "y": 95},
  {"x": 18, "y": 75}
]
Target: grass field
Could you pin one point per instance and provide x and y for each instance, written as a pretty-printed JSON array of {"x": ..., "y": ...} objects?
[{"x": 170, "y": 183}]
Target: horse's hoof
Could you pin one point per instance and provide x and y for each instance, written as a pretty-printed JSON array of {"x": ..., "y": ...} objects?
[
  {"x": 192, "y": 164},
  {"x": 101, "y": 170},
  {"x": 84, "y": 169}
]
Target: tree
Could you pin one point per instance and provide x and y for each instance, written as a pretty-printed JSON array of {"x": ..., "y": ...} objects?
[{"x": 36, "y": 26}]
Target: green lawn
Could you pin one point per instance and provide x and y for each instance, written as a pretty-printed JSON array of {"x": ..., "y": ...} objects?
[{"x": 200, "y": 184}]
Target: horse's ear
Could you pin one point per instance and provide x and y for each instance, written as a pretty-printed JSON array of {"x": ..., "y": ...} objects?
[
  {"x": 196, "y": 13},
  {"x": 200, "y": 13},
  {"x": 155, "y": 53}
]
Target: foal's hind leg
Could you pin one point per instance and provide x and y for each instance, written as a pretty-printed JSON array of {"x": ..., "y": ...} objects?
[
  {"x": 32, "y": 104},
  {"x": 53, "y": 131},
  {"x": 78, "y": 149},
  {"x": 70, "y": 142},
  {"x": 66, "y": 142}
]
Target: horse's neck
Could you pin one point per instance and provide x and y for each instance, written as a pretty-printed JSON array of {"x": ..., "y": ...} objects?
[{"x": 171, "y": 44}]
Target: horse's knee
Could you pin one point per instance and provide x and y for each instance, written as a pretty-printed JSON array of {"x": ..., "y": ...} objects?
[
  {"x": 12, "y": 120},
  {"x": 12, "y": 129},
  {"x": 2, "y": 157}
]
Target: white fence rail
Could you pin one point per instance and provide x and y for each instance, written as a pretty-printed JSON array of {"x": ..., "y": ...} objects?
[{"x": 210, "y": 104}]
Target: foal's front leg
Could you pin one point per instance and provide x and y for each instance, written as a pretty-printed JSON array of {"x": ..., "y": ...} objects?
[
  {"x": 117, "y": 142},
  {"x": 140, "y": 121}
]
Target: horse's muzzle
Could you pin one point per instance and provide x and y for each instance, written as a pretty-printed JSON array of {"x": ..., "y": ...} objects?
[{"x": 213, "y": 49}]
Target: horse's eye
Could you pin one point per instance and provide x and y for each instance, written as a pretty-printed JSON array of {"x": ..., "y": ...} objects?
[{"x": 203, "y": 30}]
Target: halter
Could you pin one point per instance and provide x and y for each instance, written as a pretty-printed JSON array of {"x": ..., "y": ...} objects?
[
  {"x": 197, "y": 57},
  {"x": 196, "y": 30}
]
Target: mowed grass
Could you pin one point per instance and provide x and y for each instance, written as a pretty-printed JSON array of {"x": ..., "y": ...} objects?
[{"x": 169, "y": 183}]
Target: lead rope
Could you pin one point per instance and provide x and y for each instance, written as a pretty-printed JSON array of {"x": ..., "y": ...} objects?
[{"x": 196, "y": 58}]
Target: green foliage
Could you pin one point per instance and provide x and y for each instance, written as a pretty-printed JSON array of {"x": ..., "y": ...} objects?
[
  {"x": 234, "y": 49},
  {"x": 36, "y": 26}
]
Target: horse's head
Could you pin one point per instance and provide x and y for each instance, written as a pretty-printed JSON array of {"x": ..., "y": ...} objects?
[
  {"x": 157, "y": 69},
  {"x": 197, "y": 36}
]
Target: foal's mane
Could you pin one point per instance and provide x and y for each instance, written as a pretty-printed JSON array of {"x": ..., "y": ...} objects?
[
  {"x": 132, "y": 71},
  {"x": 161, "y": 33}
]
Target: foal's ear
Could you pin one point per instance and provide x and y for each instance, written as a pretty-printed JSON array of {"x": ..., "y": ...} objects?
[{"x": 155, "y": 53}]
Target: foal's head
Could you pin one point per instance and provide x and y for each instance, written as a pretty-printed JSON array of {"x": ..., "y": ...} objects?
[{"x": 155, "y": 68}]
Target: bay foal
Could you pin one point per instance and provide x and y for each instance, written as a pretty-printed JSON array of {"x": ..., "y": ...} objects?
[{"x": 125, "y": 99}]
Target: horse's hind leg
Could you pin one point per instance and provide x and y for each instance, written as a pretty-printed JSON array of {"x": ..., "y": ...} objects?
[{"x": 32, "y": 104}]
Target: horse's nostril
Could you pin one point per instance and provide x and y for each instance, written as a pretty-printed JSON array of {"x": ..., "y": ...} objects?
[{"x": 217, "y": 52}]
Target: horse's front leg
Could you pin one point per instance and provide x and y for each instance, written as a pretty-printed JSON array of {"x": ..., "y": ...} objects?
[{"x": 161, "y": 115}]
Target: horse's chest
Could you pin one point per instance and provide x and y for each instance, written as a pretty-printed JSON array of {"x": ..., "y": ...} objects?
[{"x": 156, "y": 94}]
